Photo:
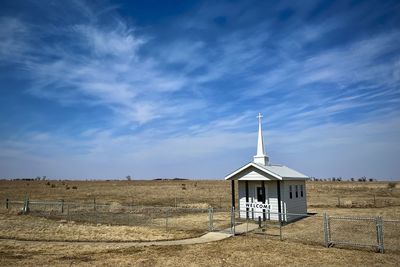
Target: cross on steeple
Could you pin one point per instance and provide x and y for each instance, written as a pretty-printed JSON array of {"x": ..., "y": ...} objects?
[{"x": 259, "y": 117}]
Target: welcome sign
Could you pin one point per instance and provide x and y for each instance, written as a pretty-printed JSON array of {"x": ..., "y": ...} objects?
[{"x": 258, "y": 206}]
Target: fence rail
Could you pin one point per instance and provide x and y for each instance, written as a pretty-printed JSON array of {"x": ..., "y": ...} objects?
[
  {"x": 370, "y": 232},
  {"x": 320, "y": 229},
  {"x": 170, "y": 218}
]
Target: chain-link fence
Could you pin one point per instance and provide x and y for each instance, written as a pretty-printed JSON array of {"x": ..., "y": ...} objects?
[
  {"x": 391, "y": 235},
  {"x": 315, "y": 229},
  {"x": 354, "y": 231},
  {"x": 373, "y": 233},
  {"x": 170, "y": 218},
  {"x": 304, "y": 228}
]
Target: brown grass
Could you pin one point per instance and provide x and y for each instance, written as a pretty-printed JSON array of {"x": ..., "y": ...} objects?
[
  {"x": 34, "y": 228},
  {"x": 215, "y": 193},
  {"x": 353, "y": 194},
  {"x": 165, "y": 193},
  {"x": 302, "y": 244},
  {"x": 238, "y": 251}
]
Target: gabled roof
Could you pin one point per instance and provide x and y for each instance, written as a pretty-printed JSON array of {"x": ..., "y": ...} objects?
[{"x": 279, "y": 172}]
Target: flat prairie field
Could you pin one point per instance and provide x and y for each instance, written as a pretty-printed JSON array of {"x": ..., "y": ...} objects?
[{"x": 25, "y": 237}]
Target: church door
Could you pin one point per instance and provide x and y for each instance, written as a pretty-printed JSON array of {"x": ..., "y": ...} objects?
[{"x": 260, "y": 199}]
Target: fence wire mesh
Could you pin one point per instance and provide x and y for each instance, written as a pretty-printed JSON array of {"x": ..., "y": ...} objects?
[
  {"x": 321, "y": 229},
  {"x": 353, "y": 231},
  {"x": 304, "y": 228},
  {"x": 313, "y": 229},
  {"x": 391, "y": 235},
  {"x": 169, "y": 218}
]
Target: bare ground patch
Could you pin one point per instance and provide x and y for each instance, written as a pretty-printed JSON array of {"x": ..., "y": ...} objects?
[{"x": 34, "y": 228}]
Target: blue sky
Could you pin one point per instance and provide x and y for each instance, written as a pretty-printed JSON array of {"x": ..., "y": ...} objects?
[{"x": 106, "y": 89}]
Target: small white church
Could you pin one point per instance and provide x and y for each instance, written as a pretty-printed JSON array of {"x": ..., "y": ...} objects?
[{"x": 268, "y": 191}]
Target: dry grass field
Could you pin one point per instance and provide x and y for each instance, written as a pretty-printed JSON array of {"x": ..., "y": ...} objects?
[
  {"x": 194, "y": 193},
  {"x": 164, "y": 193},
  {"x": 13, "y": 226},
  {"x": 238, "y": 251},
  {"x": 301, "y": 244}
]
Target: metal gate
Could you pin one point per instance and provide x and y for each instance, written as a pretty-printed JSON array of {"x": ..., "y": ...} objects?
[{"x": 354, "y": 231}]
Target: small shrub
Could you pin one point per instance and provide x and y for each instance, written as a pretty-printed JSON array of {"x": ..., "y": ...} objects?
[
  {"x": 183, "y": 186},
  {"x": 53, "y": 185},
  {"x": 67, "y": 187},
  {"x": 391, "y": 185},
  {"x": 74, "y": 187},
  {"x": 48, "y": 183}
]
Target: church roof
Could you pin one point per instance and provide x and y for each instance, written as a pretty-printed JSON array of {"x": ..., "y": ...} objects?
[
  {"x": 279, "y": 172},
  {"x": 261, "y": 165}
]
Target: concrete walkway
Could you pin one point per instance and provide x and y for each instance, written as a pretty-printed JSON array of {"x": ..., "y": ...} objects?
[
  {"x": 206, "y": 238},
  {"x": 241, "y": 228}
]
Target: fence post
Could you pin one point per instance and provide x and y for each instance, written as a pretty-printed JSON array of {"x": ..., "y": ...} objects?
[
  {"x": 233, "y": 221},
  {"x": 326, "y": 239},
  {"x": 382, "y": 235},
  {"x": 265, "y": 231},
  {"x": 68, "y": 216},
  {"x": 129, "y": 213},
  {"x": 166, "y": 221},
  {"x": 62, "y": 205},
  {"x": 328, "y": 218},
  {"x": 6, "y": 203},
  {"x": 26, "y": 205},
  {"x": 95, "y": 213},
  {"x": 379, "y": 233},
  {"x": 210, "y": 219},
  {"x": 247, "y": 226}
]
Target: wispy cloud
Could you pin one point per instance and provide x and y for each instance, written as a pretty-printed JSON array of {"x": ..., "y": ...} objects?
[
  {"x": 186, "y": 90},
  {"x": 15, "y": 40},
  {"x": 98, "y": 65}
]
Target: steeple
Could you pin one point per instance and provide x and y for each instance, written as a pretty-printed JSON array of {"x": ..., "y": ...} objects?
[{"x": 261, "y": 157}]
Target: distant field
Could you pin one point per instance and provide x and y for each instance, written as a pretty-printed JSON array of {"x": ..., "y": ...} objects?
[
  {"x": 164, "y": 193},
  {"x": 361, "y": 199},
  {"x": 202, "y": 193}
]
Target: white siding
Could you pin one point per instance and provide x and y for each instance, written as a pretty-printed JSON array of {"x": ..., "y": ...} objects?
[
  {"x": 295, "y": 204},
  {"x": 271, "y": 198},
  {"x": 252, "y": 174},
  {"x": 242, "y": 199},
  {"x": 289, "y": 205}
]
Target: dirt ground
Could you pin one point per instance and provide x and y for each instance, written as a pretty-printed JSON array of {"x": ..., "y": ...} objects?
[
  {"x": 298, "y": 248},
  {"x": 35, "y": 228},
  {"x": 237, "y": 251}
]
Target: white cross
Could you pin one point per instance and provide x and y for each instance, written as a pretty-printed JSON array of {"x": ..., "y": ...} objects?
[{"x": 259, "y": 117}]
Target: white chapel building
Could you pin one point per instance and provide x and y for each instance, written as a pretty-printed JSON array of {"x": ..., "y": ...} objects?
[{"x": 267, "y": 190}]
